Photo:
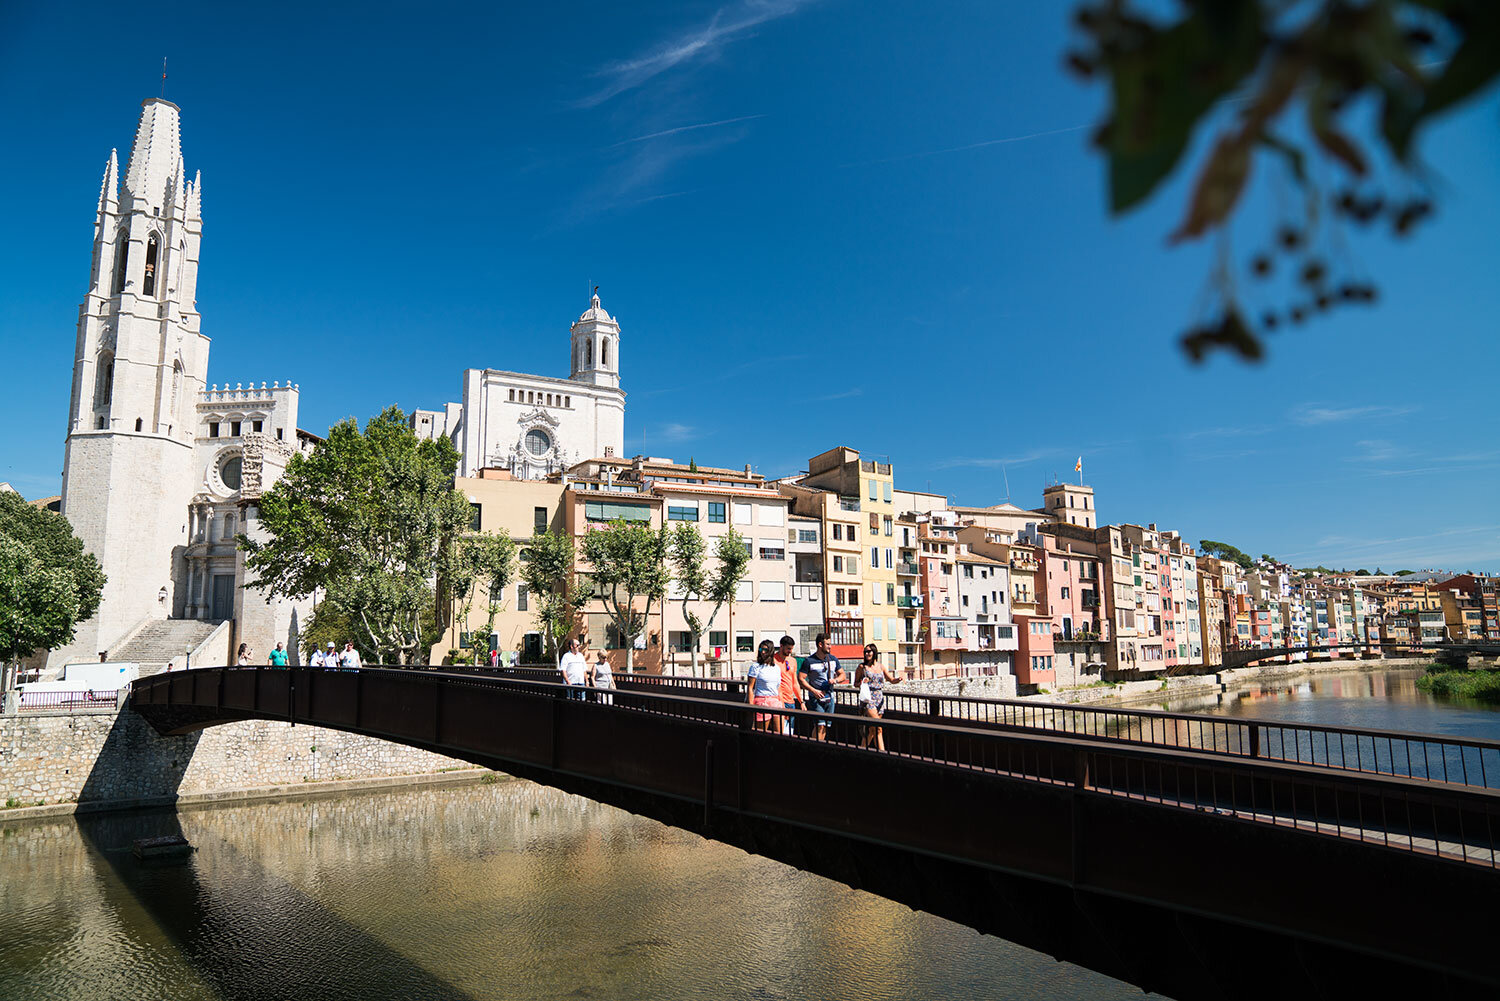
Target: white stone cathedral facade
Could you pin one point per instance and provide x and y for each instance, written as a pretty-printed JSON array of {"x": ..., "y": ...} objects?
[
  {"x": 533, "y": 425},
  {"x": 161, "y": 469}
]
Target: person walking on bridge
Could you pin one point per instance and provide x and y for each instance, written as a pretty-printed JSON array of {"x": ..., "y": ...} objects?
[
  {"x": 791, "y": 691},
  {"x": 872, "y": 679},
  {"x": 764, "y": 688},
  {"x": 278, "y": 656},
  {"x": 819, "y": 672},
  {"x": 349, "y": 659},
  {"x": 601, "y": 677},
  {"x": 574, "y": 669}
]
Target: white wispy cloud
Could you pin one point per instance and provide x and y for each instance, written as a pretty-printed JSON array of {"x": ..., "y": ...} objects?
[
  {"x": 1001, "y": 141},
  {"x": 1309, "y": 414},
  {"x": 674, "y": 432},
  {"x": 685, "y": 128},
  {"x": 994, "y": 462},
  {"x": 695, "y": 45}
]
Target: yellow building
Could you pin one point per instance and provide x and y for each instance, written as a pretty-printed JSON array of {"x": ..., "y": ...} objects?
[{"x": 855, "y": 499}]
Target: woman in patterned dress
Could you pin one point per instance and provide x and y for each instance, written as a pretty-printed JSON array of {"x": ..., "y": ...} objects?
[{"x": 876, "y": 677}]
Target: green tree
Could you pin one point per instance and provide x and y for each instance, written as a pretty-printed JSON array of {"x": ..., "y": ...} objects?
[
  {"x": 370, "y": 519},
  {"x": 48, "y": 584},
  {"x": 487, "y": 560},
  {"x": 628, "y": 563},
  {"x": 1225, "y": 551},
  {"x": 547, "y": 570},
  {"x": 732, "y": 561},
  {"x": 1407, "y": 60}
]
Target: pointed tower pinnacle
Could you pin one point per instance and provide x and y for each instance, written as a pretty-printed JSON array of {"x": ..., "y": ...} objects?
[
  {"x": 195, "y": 196},
  {"x": 109, "y": 191},
  {"x": 157, "y": 154}
]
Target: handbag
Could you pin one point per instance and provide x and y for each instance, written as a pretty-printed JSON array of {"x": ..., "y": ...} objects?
[{"x": 864, "y": 693}]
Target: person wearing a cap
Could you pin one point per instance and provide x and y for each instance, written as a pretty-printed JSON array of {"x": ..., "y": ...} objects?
[{"x": 325, "y": 658}]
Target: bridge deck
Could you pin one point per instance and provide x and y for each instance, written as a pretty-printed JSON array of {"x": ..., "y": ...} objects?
[
  {"x": 1137, "y": 860},
  {"x": 1435, "y": 757}
]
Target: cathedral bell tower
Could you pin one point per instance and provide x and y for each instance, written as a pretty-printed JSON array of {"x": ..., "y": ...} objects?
[
  {"x": 596, "y": 347},
  {"x": 139, "y": 367}
]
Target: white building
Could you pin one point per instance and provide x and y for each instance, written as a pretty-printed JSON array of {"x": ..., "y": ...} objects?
[
  {"x": 533, "y": 425},
  {"x": 160, "y": 470}
]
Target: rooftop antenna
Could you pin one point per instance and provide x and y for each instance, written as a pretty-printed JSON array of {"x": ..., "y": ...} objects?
[{"x": 163, "y": 78}]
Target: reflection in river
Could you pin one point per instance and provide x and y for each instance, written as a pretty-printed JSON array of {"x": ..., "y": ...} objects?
[{"x": 509, "y": 890}]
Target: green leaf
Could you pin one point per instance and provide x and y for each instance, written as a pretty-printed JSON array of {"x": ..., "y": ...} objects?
[{"x": 1163, "y": 86}]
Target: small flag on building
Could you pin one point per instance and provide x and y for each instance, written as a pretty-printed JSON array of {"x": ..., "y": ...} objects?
[{"x": 1078, "y": 466}]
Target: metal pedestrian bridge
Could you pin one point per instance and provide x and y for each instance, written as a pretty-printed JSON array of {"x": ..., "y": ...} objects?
[{"x": 1193, "y": 856}]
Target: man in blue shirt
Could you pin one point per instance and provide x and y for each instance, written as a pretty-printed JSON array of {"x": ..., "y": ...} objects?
[{"x": 816, "y": 677}]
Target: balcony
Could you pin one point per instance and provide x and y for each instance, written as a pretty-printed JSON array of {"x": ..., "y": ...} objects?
[
  {"x": 909, "y": 569},
  {"x": 1026, "y": 563},
  {"x": 909, "y": 601},
  {"x": 848, "y": 504}
]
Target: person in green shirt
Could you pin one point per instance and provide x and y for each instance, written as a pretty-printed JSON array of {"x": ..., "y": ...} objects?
[{"x": 278, "y": 656}]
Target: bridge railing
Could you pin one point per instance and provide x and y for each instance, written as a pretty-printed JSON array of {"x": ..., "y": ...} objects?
[
  {"x": 1426, "y": 757},
  {"x": 1448, "y": 821}
]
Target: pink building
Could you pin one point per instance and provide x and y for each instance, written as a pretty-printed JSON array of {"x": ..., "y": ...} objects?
[
  {"x": 1069, "y": 589},
  {"x": 1035, "y": 653}
]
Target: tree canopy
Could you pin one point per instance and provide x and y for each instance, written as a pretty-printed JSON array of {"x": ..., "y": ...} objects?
[
  {"x": 547, "y": 569},
  {"x": 370, "y": 519},
  {"x": 48, "y": 584},
  {"x": 697, "y": 583},
  {"x": 628, "y": 565},
  {"x": 1246, "y": 68},
  {"x": 1225, "y": 551},
  {"x": 483, "y": 560}
]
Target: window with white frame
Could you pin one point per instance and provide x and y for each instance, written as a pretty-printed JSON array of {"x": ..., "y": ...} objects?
[
  {"x": 875, "y": 630},
  {"x": 743, "y": 513},
  {"x": 874, "y": 594},
  {"x": 772, "y": 549},
  {"x": 743, "y": 592},
  {"x": 773, "y": 590},
  {"x": 771, "y": 514}
]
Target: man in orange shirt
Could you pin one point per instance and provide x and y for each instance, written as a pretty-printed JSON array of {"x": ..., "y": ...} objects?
[{"x": 791, "y": 696}]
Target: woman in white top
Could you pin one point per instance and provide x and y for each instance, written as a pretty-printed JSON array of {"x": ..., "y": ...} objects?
[
  {"x": 242, "y": 659},
  {"x": 764, "y": 688},
  {"x": 600, "y": 676}
]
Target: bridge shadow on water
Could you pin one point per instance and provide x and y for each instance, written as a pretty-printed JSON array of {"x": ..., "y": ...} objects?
[{"x": 247, "y": 933}]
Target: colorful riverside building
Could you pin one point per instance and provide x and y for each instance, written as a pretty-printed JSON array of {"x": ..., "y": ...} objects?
[
  {"x": 855, "y": 499},
  {"x": 650, "y": 492},
  {"x": 1070, "y": 587}
]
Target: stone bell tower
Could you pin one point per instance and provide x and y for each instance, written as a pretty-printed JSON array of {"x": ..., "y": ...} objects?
[{"x": 139, "y": 367}]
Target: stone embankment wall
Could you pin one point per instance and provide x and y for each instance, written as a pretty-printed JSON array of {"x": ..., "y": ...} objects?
[
  {"x": 116, "y": 759},
  {"x": 989, "y": 686}
]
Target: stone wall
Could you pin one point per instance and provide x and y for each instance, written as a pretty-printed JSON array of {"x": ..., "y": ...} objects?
[
  {"x": 117, "y": 758},
  {"x": 987, "y": 686}
]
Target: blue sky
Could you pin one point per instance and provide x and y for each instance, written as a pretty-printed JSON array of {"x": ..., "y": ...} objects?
[{"x": 827, "y": 222}]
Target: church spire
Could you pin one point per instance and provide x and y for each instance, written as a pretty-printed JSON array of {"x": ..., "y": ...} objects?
[
  {"x": 156, "y": 156},
  {"x": 109, "y": 191}
]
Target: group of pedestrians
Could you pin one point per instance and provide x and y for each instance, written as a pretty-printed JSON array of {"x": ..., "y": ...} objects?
[
  {"x": 579, "y": 671},
  {"x": 347, "y": 659},
  {"x": 777, "y": 680}
]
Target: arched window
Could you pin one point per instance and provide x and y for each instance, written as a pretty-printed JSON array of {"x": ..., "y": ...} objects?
[
  {"x": 122, "y": 259},
  {"x": 588, "y": 352},
  {"x": 604, "y": 352},
  {"x": 100, "y": 422},
  {"x": 138, "y": 424},
  {"x": 148, "y": 286},
  {"x": 104, "y": 380}
]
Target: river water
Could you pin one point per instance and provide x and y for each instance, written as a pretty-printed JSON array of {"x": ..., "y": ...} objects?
[{"x": 512, "y": 890}]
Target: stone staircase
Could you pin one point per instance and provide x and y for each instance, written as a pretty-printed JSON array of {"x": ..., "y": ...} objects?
[{"x": 161, "y": 641}]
